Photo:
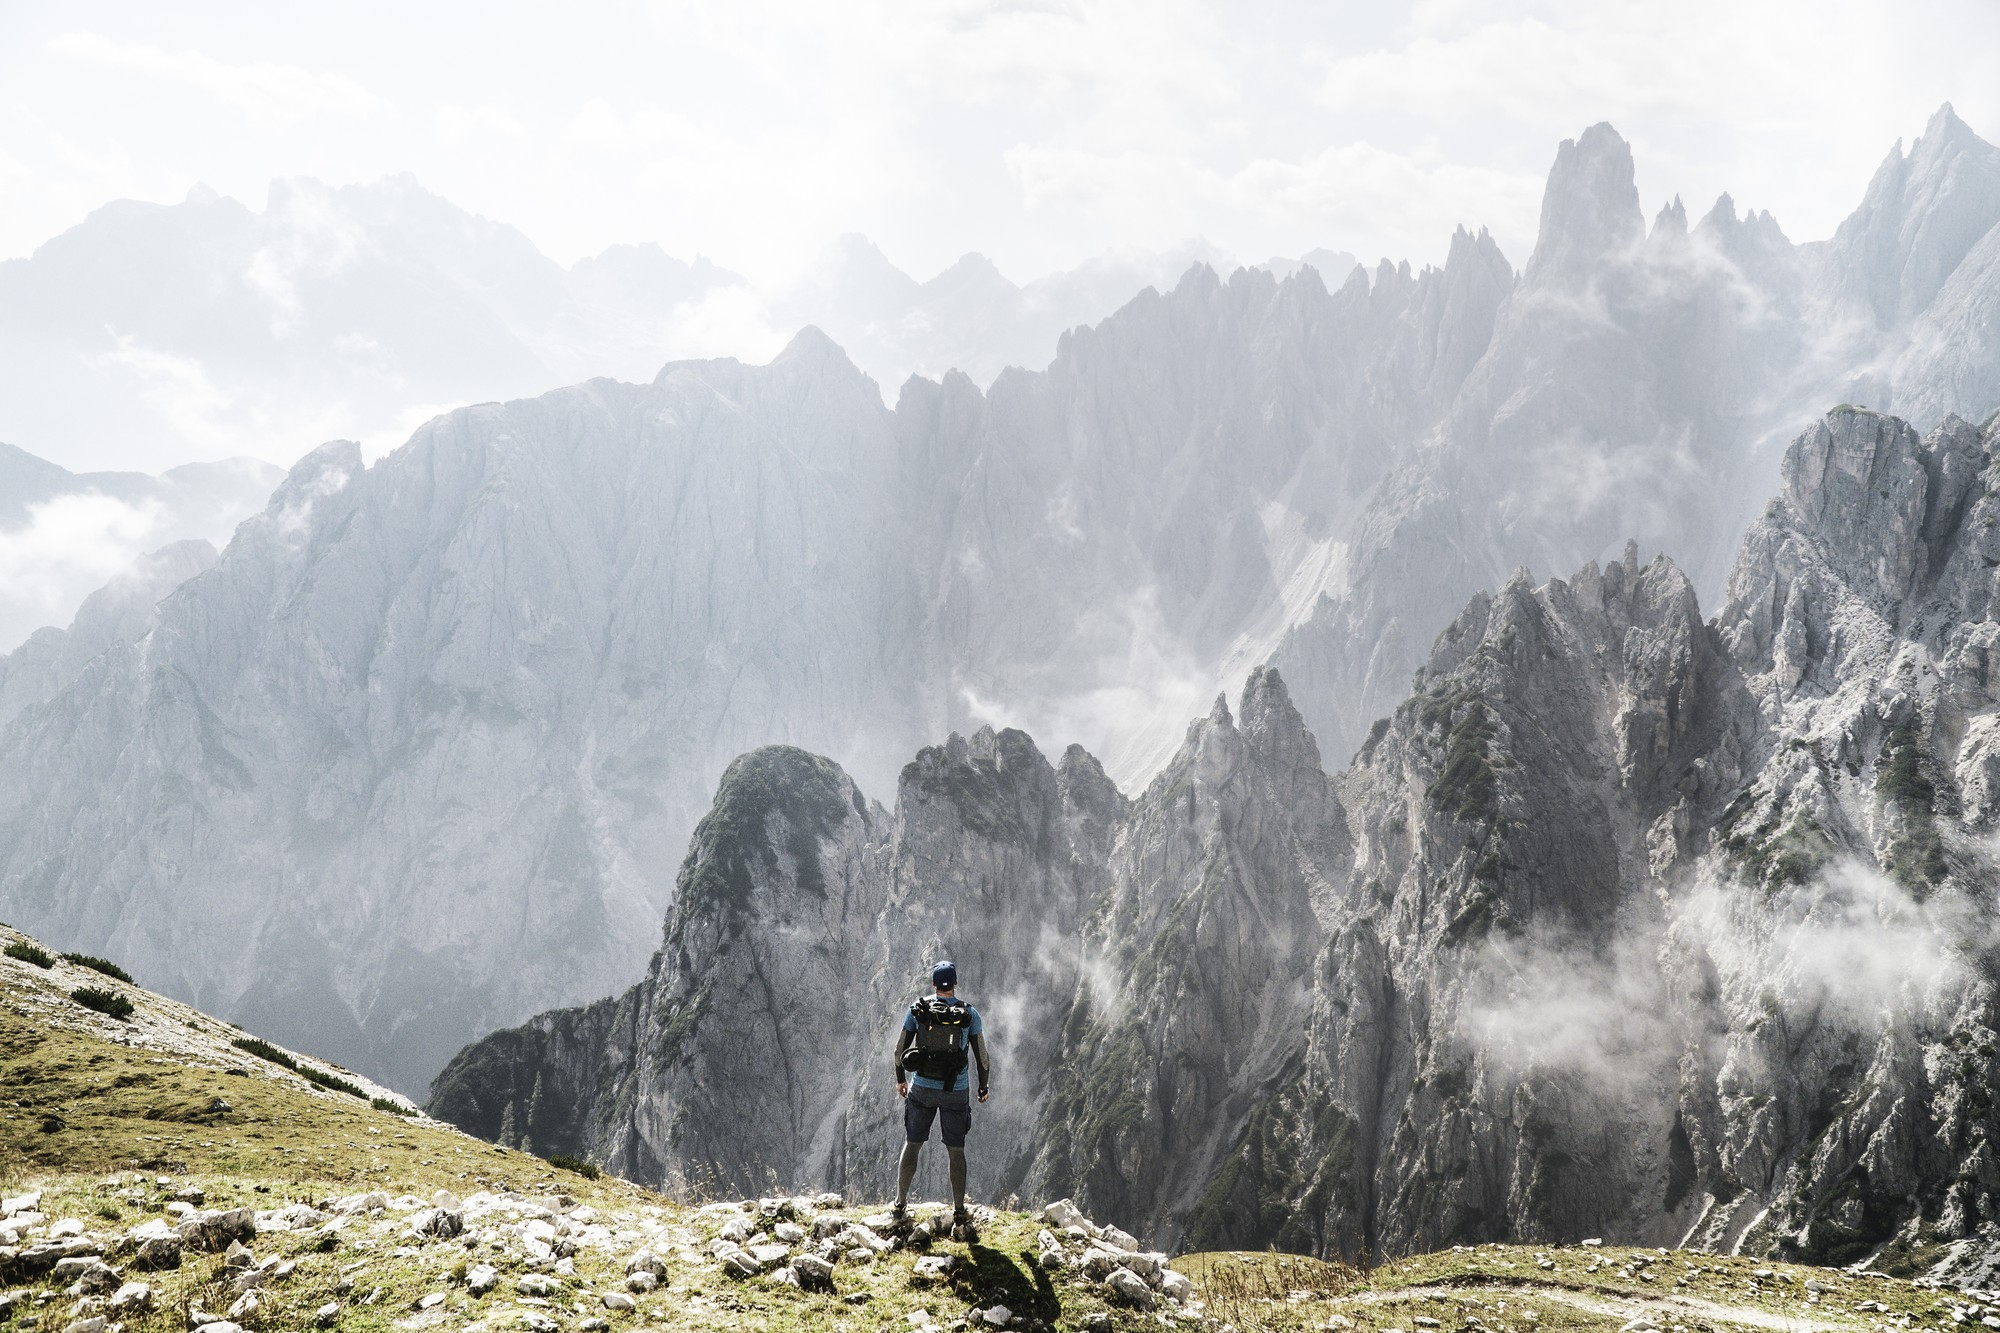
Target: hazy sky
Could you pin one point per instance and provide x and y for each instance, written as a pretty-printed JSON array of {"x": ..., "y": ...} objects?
[{"x": 1036, "y": 131}]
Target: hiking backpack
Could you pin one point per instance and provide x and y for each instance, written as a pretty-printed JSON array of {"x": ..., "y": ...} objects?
[{"x": 939, "y": 1053}]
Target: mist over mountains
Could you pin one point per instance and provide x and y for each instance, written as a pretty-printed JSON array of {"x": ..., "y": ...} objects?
[
  {"x": 205, "y": 327},
  {"x": 419, "y": 755}
]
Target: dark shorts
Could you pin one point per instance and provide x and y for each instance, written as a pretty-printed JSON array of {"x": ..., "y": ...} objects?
[{"x": 952, "y": 1109}]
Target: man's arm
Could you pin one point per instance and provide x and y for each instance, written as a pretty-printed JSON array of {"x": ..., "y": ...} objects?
[
  {"x": 903, "y": 1040},
  {"x": 979, "y": 1055}
]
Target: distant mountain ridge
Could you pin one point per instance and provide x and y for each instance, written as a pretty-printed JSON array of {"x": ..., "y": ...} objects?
[{"x": 363, "y": 310}]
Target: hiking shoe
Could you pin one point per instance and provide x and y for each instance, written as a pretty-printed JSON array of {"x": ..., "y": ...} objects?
[
  {"x": 899, "y": 1217},
  {"x": 961, "y": 1226}
]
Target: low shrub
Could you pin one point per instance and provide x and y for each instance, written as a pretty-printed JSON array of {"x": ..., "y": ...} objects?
[
  {"x": 264, "y": 1050},
  {"x": 28, "y": 953},
  {"x": 109, "y": 1003},
  {"x": 393, "y": 1108},
  {"x": 588, "y": 1170},
  {"x": 104, "y": 965}
]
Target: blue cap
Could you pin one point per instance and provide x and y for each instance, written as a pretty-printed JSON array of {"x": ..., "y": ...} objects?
[{"x": 945, "y": 975}]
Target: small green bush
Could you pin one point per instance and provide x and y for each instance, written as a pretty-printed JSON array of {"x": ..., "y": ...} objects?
[
  {"x": 587, "y": 1170},
  {"x": 28, "y": 953},
  {"x": 109, "y": 1003},
  {"x": 264, "y": 1050},
  {"x": 393, "y": 1108},
  {"x": 104, "y": 965}
]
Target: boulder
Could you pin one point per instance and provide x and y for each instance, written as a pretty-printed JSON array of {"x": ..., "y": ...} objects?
[
  {"x": 245, "y": 1305},
  {"x": 813, "y": 1271},
  {"x": 481, "y": 1278},
  {"x": 1178, "y": 1286},
  {"x": 641, "y": 1282},
  {"x": 741, "y": 1263},
  {"x": 535, "y": 1284},
  {"x": 1130, "y": 1288},
  {"x": 327, "y": 1315},
  {"x": 1063, "y": 1213},
  {"x": 617, "y": 1300},
  {"x": 645, "y": 1261},
  {"x": 999, "y": 1316},
  {"x": 133, "y": 1297},
  {"x": 933, "y": 1268},
  {"x": 788, "y": 1233},
  {"x": 1124, "y": 1240}
]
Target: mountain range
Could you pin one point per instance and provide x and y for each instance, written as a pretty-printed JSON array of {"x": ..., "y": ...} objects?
[
  {"x": 1623, "y": 923},
  {"x": 418, "y": 756},
  {"x": 207, "y": 326}
]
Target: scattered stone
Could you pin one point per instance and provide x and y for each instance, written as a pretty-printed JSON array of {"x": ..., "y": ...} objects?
[
  {"x": 245, "y": 1306},
  {"x": 741, "y": 1263},
  {"x": 594, "y": 1325},
  {"x": 430, "y": 1300},
  {"x": 237, "y": 1255},
  {"x": 536, "y": 1284},
  {"x": 1129, "y": 1287},
  {"x": 1594, "y": 1242},
  {"x": 1063, "y": 1213},
  {"x": 998, "y": 1315},
  {"x": 813, "y": 1272},
  {"x": 737, "y": 1229},
  {"x": 933, "y": 1268},
  {"x": 789, "y": 1233},
  {"x": 641, "y": 1282},
  {"x": 645, "y": 1261},
  {"x": 536, "y": 1322},
  {"x": 30, "y": 1202},
  {"x": 133, "y": 1296},
  {"x": 327, "y": 1315},
  {"x": 617, "y": 1300},
  {"x": 481, "y": 1278},
  {"x": 1178, "y": 1286},
  {"x": 1424, "y": 1321}
]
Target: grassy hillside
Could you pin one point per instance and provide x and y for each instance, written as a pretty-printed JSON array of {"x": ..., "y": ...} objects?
[{"x": 124, "y": 1137}]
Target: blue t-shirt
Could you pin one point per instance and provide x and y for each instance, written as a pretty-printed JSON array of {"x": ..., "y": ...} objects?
[{"x": 960, "y": 1040}]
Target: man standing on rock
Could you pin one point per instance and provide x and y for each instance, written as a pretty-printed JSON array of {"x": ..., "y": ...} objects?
[{"x": 931, "y": 1078}]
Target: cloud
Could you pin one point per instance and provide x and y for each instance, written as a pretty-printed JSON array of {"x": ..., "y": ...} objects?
[
  {"x": 286, "y": 92},
  {"x": 1853, "y": 948},
  {"x": 69, "y": 547}
]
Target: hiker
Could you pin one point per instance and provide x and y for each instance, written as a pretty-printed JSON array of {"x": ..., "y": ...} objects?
[{"x": 931, "y": 1078}]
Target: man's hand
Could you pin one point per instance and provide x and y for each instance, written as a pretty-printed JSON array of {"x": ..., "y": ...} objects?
[
  {"x": 902, "y": 1089},
  {"x": 982, "y": 1094}
]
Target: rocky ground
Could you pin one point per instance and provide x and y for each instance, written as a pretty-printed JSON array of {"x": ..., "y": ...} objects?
[{"x": 155, "y": 1177}]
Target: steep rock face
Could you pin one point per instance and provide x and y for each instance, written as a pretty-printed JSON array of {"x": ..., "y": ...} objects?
[
  {"x": 422, "y": 739},
  {"x": 1192, "y": 1021}
]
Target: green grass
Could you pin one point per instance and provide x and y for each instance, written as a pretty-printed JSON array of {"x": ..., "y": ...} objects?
[{"x": 110, "y": 1132}]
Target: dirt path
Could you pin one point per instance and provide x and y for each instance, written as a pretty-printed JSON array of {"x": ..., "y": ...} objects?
[{"x": 1620, "y": 1307}]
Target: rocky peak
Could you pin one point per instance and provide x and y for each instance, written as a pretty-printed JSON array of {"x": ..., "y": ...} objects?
[
  {"x": 1590, "y": 210},
  {"x": 1857, "y": 482},
  {"x": 1672, "y": 220},
  {"x": 1922, "y": 213}
]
